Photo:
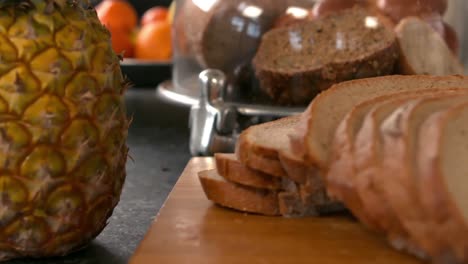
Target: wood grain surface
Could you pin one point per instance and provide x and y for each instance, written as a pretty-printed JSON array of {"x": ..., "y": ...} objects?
[{"x": 190, "y": 229}]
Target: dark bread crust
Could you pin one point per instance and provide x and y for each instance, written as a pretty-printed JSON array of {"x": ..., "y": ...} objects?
[{"x": 299, "y": 86}]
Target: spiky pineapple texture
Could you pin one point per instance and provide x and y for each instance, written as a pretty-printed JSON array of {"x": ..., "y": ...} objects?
[{"x": 63, "y": 127}]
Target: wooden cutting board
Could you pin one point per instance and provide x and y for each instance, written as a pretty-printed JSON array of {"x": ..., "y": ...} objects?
[{"x": 190, "y": 229}]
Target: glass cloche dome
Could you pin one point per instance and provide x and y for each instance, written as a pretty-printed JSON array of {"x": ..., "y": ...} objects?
[{"x": 226, "y": 35}]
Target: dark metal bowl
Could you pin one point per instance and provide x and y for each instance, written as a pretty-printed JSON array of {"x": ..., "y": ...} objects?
[{"x": 146, "y": 74}]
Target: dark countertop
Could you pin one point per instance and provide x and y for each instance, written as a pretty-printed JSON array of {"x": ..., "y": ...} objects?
[{"x": 158, "y": 141}]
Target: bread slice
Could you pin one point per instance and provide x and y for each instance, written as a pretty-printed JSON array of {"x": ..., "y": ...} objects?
[
  {"x": 367, "y": 160},
  {"x": 238, "y": 197},
  {"x": 258, "y": 146},
  {"x": 399, "y": 133},
  {"x": 230, "y": 168},
  {"x": 423, "y": 50},
  {"x": 294, "y": 64},
  {"x": 442, "y": 177},
  {"x": 314, "y": 134},
  {"x": 342, "y": 168},
  {"x": 266, "y": 148}
]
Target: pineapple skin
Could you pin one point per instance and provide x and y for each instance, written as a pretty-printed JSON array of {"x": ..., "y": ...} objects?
[{"x": 63, "y": 127}]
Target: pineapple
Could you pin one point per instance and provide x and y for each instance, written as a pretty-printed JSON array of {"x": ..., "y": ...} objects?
[{"x": 63, "y": 127}]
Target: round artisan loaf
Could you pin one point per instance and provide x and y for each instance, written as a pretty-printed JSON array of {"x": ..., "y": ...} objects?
[
  {"x": 294, "y": 64},
  {"x": 397, "y": 180},
  {"x": 224, "y": 34}
]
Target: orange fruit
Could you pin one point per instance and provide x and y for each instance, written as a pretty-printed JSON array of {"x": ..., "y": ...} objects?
[
  {"x": 157, "y": 13},
  {"x": 117, "y": 15},
  {"x": 154, "y": 41},
  {"x": 122, "y": 43}
]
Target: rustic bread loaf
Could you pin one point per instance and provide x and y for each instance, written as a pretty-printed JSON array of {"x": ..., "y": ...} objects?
[
  {"x": 238, "y": 197},
  {"x": 441, "y": 176},
  {"x": 295, "y": 63},
  {"x": 313, "y": 136},
  {"x": 397, "y": 180},
  {"x": 230, "y": 168},
  {"x": 423, "y": 50}
]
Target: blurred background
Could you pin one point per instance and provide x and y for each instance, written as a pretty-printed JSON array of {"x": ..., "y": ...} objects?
[{"x": 142, "y": 5}]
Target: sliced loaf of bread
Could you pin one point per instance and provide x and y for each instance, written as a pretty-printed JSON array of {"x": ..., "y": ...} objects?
[
  {"x": 423, "y": 50},
  {"x": 295, "y": 63},
  {"x": 266, "y": 148},
  {"x": 367, "y": 160},
  {"x": 314, "y": 134},
  {"x": 399, "y": 133},
  {"x": 442, "y": 181},
  {"x": 258, "y": 146},
  {"x": 230, "y": 168},
  {"x": 238, "y": 197},
  {"x": 342, "y": 168}
]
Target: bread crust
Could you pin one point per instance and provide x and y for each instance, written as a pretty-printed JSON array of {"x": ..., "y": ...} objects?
[
  {"x": 239, "y": 197},
  {"x": 305, "y": 138},
  {"x": 254, "y": 161},
  {"x": 230, "y": 168}
]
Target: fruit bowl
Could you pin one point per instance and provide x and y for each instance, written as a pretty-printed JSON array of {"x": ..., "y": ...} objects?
[{"x": 146, "y": 73}]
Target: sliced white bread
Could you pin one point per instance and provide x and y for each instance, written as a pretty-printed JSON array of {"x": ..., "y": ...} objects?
[
  {"x": 423, "y": 50},
  {"x": 238, "y": 197},
  {"x": 269, "y": 142},
  {"x": 309, "y": 181},
  {"x": 341, "y": 168},
  {"x": 294, "y": 166},
  {"x": 397, "y": 181},
  {"x": 231, "y": 169},
  {"x": 257, "y": 147},
  {"x": 367, "y": 160},
  {"x": 442, "y": 178},
  {"x": 314, "y": 134}
]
